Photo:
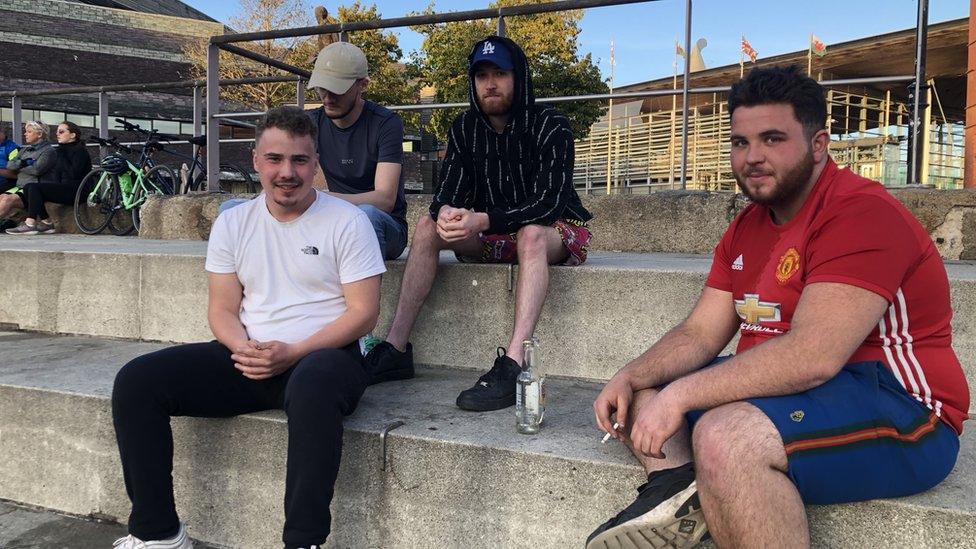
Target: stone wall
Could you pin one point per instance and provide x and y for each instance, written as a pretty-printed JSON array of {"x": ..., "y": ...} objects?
[
  {"x": 670, "y": 221},
  {"x": 110, "y": 16},
  {"x": 51, "y": 43}
]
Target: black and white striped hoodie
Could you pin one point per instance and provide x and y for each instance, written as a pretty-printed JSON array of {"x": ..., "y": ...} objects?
[{"x": 519, "y": 177}]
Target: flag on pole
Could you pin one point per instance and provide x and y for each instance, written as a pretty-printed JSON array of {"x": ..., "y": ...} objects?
[
  {"x": 678, "y": 50},
  {"x": 817, "y": 47},
  {"x": 747, "y": 49}
]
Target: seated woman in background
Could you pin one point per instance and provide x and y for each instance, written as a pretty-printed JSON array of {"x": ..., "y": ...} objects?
[
  {"x": 8, "y": 151},
  {"x": 36, "y": 163},
  {"x": 73, "y": 163}
]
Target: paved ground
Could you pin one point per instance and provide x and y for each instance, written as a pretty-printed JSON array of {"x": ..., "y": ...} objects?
[{"x": 26, "y": 528}]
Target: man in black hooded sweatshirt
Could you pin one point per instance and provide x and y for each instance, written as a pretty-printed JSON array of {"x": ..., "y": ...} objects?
[{"x": 505, "y": 196}]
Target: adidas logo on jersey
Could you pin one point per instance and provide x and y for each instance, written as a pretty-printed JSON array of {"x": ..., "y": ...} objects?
[{"x": 737, "y": 264}]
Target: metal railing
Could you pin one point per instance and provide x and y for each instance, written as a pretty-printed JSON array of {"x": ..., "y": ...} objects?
[
  {"x": 212, "y": 82},
  {"x": 16, "y": 100},
  {"x": 225, "y": 42}
]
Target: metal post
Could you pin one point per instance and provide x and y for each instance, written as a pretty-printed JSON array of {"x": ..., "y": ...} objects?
[
  {"x": 18, "y": 121},
  {"x": 197, "y": 115},
  {"x": 300, "y": 95},
  {"x": 917, "y": 124},
  {"x": 213, "y": 123},
  {"x": 500, "y": 31},
  {"x": 685, "y": 96},
  {"x": 103, "y": 121}
]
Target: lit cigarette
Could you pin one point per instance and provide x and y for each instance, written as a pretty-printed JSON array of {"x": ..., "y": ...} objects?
[{"x": 607, "y": 436}]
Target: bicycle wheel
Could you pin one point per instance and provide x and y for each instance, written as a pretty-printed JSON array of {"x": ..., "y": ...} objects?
[
  {"x": 96, "y": 201},
  {"x": 154, "y": 182},
  {"x": 239, "y": 174},
  {"x": 165, "y": 179}
]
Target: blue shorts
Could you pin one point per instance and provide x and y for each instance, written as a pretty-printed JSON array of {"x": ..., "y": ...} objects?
[{"x": 859, "y": 436}]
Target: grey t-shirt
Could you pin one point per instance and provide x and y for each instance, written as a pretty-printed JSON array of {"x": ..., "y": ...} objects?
[{"x": 349, "y": 156}]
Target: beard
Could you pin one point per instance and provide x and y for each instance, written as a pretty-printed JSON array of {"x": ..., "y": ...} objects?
[
  {"x": 788, "y": 186},
  {"x": 499, "y": 105},
  {"x": 344, "y": 110}
]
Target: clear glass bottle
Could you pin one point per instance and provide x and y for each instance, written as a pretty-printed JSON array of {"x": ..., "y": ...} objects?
[{"x": 530, "y": 392}]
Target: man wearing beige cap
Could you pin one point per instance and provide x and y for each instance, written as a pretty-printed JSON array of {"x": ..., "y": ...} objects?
[{"x": 360, "y": 145}]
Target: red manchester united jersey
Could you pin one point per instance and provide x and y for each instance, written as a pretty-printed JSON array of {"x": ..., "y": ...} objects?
[{"x": 851, "y": 231}]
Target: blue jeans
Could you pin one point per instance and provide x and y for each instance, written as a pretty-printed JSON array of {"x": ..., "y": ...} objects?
[{"x": 391, "y": 235}]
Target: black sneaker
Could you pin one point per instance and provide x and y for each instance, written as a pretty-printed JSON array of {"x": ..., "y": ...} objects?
[
  {"x": 385, "y": 363},
  {"x": 494, "y": 390},
  {"x": 666, "y": 513}
]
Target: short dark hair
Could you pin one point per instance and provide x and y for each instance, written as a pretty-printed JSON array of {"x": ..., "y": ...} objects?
[
  {"x": 73, "y": 128},
  {"x": 764, "y": 86},
  {"x": 292, "y": 120}
]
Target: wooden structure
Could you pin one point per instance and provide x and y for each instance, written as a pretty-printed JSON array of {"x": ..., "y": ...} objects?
[{"x": 868, "y": 124}]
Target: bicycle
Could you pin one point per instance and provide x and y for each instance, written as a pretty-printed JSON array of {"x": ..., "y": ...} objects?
[
  {"x": 197, "y": 174},
  {"x": 118, "y": 184}
]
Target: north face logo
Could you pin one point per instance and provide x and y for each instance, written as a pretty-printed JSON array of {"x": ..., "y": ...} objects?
[
  {"x": 488, "y": 49},
  {"x": 310, "y": 250}
]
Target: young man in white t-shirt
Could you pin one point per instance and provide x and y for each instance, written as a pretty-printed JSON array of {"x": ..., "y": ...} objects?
[{"x": 294, "y": 283}]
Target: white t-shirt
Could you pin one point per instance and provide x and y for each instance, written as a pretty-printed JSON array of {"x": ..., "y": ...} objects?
[{"x": 292, "y": 272}]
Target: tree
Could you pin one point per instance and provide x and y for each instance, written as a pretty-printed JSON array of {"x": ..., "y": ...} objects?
[
  {"x": 389, "y": 82},
  {"x": 258, "y": 16},
  {"x": 550, "y": 41},
  {"x": 388, "y": 79}
]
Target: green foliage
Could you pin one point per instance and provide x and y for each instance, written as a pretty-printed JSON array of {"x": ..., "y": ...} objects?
[
  {"x": 550, "y": 42},
  {"x": 389, "y": 79}
]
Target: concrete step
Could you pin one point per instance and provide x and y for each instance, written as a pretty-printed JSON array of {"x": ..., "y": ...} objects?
[
  {"x": 664, "y": 221},
  {"x": 24, "y": 527},
  {"x": 449, "y": 478},
  {"x": 596, "y": 317}
]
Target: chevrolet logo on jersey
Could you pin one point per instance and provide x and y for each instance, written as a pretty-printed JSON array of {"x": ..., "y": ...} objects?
[{"x": 753, "y": 311}]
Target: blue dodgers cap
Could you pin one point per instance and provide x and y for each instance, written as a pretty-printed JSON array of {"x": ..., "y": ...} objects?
[{"x": 492, "y": 51}]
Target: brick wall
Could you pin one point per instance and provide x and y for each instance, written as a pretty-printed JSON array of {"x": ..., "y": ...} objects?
[
  {"x": 86, "y": 68},
  {"x": 48, "y": 28},
  {"x": 110, "y": 16}
]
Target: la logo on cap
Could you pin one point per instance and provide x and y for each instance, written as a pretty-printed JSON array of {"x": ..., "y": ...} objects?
[{"x": 488, "y": 49}]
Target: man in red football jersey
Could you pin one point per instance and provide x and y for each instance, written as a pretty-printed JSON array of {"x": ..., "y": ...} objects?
[{"x": 844, "y": 386}]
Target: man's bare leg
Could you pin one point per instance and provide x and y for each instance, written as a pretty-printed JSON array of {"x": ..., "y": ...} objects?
[
  {"x": 666, "y": 511},
  {"x": 538, "y": 247},
  {"x": 9, "y": 203},
  {"x": 677, "y": 450},
  {"x": 745, "y": 494},
  {"x": 418, "y": 276}
]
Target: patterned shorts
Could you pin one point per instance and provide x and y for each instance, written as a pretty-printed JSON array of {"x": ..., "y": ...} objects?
[{"x": 502, "y": 248}]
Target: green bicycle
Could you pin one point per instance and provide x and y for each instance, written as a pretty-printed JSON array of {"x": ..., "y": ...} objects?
[{"x": 118, "y": 185}]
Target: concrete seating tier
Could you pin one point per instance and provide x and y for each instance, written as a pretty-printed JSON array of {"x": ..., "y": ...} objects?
[
  {"x": 666, "y": 221},
  {"x": 448, "y": 478},
  {"x": 596, "y": 318}
]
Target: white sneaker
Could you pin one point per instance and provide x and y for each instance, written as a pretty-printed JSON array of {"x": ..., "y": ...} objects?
[{"x": 179, "y": 541}]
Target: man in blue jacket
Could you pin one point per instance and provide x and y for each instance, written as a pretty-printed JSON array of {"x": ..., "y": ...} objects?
[{"x": 8, "y": 151}]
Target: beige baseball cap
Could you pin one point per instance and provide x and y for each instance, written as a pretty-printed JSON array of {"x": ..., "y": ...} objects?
[{"x": 337, "y": 67}]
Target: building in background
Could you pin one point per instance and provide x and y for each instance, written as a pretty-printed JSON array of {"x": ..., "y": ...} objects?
[
  {"x": 54, "y": 43},
  {"x": 868, "y": 123}
]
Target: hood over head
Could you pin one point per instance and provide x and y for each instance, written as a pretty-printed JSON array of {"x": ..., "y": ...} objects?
[{"x": 524, "y": 98}]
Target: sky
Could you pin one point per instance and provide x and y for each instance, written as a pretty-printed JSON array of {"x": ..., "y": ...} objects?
[{"x": 644, "y": 34}]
